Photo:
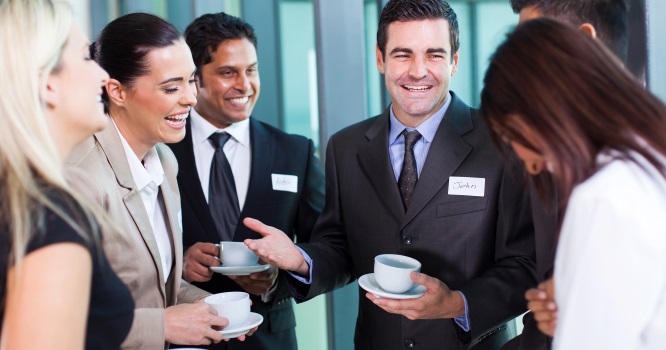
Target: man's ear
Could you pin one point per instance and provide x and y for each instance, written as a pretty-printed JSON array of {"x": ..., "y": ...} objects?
[
  {"x": 117, "y": 92},
  {"x": 380, "y": 59},
  {"x": 588, "y": 29},
  {"x": 454, "y": 63}
]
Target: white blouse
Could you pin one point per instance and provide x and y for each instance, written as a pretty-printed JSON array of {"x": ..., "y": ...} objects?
[{"x": 610, "y": 267}]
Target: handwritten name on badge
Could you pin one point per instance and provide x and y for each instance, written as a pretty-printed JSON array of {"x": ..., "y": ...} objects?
[
  {"x": 287, "y": 183},
  {"x": 467, "y": 186}
]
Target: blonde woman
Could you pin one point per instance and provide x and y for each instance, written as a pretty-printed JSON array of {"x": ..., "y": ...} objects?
[{"x": 57, "y": 290}]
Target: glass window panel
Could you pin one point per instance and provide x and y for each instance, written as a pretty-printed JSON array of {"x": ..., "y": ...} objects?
[
  {"x": 374, "y": 78},
  {"x": 299, "y": 68}
]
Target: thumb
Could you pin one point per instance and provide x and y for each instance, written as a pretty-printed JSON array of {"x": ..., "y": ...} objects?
[
  {"x": 423, "y": 279},
  {"x": 259, "y": 227}
]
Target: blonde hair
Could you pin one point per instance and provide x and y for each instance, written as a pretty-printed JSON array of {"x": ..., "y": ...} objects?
[{"x": 33, "y": 33}]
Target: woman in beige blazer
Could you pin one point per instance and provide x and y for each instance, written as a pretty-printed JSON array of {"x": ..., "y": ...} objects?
[{"x": 148, "y": 98}]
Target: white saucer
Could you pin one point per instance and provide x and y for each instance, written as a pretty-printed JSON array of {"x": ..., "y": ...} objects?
[
  {"x": 239, "y": 270},
  {"x": 254, "y": 320},
  {"x": 369, "y": 283}
]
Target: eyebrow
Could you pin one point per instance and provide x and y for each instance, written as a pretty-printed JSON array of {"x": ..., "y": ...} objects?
[
  {"x": 175, "y": 79},
  {"x": 406, "y": 50},
  {"x": 234, "y": 67}
]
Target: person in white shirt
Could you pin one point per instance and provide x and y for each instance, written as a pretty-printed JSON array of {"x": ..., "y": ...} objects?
[{"x": 567, "y": 107}]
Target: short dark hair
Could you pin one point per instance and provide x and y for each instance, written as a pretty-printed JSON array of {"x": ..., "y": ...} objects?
[
  {"x": 609, "y": 18},
  {"x": 207, "y": 32},
  {"x": 415, "y": 10},
  {"x": 519, "y": 5},
  {"x": 122, "y": 46}
]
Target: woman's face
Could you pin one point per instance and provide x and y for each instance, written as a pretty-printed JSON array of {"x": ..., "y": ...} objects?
[
  {"x": 73, "y": 93},
  {"x": 157, "y": 105}
]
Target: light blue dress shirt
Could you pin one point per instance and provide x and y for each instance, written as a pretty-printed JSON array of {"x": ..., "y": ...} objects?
[{"x": 396, "y": 145}]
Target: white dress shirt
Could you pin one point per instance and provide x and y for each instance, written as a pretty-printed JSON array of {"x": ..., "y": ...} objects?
[
  {"x": 148, "y": 178},
  {"x": 237, "y": 150},
  {"x": 610, "y": 268}
]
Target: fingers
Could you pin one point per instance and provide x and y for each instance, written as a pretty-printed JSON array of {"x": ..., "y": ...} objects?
[
  {"x": 547, "y": 328},
  {"x": 535, "y": 295},
  {"x": 423, "y": 279},
  {"x": 259, "y": 227}
]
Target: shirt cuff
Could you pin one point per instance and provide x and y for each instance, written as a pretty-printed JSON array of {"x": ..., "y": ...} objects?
[
  {"x": 463, "y": 320},
  {"x": 270, "y": 294},
  {"x": 308, "y": 260}
]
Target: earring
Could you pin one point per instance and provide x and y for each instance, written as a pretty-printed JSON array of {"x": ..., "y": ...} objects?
[{"x": 534, "y": 167}]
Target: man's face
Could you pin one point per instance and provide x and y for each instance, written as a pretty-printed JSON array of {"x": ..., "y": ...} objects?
[
  {"x": 230, "y": 84},
  {"x": 528, "y": 13},
  {"x": 417, "y": 68}
]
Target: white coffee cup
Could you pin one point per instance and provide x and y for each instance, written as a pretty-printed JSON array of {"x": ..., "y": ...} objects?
[
  {"x": 234, "y": 306},
  {"x": 392, "y": 272},
  {"x": 237, "y": 254}
]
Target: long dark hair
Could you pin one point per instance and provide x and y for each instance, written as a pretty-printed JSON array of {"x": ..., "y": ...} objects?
[
  {"x": 577, "y": 99},
  {"x": 122, "y": 46}
]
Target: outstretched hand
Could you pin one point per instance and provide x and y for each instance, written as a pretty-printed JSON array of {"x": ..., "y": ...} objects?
[{"x": 276, "y": 248}]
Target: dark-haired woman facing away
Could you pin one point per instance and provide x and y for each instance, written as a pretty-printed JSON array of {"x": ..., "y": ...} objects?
[
  {"x": 148, "y": 98},
  {"x": 57, "y": 290},
  {"x": 567, "y": 107}
]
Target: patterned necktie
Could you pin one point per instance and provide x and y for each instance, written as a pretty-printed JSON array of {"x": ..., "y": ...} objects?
[
  {"x": 222, "y": 196},
  {"x": 408, "y": 174}
]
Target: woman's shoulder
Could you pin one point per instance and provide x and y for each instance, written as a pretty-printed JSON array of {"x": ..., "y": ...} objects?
[{"x": 62, "y": 220}]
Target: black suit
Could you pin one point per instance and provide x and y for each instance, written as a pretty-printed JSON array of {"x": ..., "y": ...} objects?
[
  {"x": 482, "y": 246},
  {"x": 273, "y": 152},
  {"x": 545, "y": 237}
]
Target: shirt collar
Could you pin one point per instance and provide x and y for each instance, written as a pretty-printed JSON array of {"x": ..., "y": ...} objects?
[
  {"x": 202, "y": 129},
  {"x": 143, "y": 174},
  {"x": 427, "y": 129}
]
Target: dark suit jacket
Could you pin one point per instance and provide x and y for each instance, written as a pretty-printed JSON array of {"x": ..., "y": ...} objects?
[
  {"x": 273, "y": 151},
  {"x": 545, "y": 236},
  {"x": 482, "y": 246}
]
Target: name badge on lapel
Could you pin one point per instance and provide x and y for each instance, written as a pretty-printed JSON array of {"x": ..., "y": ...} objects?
[
  {"x": 467, "y": 186},
  {"x": 288, "y": 183}
]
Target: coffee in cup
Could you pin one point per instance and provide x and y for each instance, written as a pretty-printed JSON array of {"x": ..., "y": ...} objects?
[{"x": 392, "y": 272}]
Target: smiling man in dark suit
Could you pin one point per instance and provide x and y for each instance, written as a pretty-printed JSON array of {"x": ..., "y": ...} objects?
[
  {"x": 233, "y": 166},
  {"x": 390, "y": 188}
]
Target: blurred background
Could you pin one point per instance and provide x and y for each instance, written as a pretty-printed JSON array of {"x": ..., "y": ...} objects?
[{"x": 318, "y": 75}]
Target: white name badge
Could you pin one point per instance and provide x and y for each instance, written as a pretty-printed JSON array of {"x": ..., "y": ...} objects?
[
  {"x": 467, "y": 186},
  {"x": 287, "y": 183}
]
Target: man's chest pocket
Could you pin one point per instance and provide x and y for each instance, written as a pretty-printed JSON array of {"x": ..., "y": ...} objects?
[{"x": 462, "y": 207}]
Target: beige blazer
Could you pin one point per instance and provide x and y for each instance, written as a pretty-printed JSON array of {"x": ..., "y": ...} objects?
[{"x": 132, "y": 249}]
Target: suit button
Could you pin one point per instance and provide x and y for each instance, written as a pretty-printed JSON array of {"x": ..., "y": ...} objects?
[
  {"x": 407, "y": 239},
  {"x": 409, "y": 344}
]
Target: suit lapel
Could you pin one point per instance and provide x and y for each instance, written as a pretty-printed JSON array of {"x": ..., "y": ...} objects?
[
  {"x": 447, "y": 152},
  {"x": 263, "y": 155},
  {"x": 112, "y": 146},
  {"x": 167, "y": 190},
  {"x": 190, "y": 185},
  {"x": 375, "y": 162}
]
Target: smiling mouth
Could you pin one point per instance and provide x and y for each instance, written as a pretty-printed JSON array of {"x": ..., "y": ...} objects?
[
  {"x": 417, "y": 88},
  {"x": 239, "y": 100},
  {"x": 177, "y": 119}
]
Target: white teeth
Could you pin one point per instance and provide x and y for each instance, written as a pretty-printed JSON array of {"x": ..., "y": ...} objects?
[
  {"x": 176, "y": 120},
  {"x": 417, "y": 88},
  {"x": 240, "y": 100}
]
